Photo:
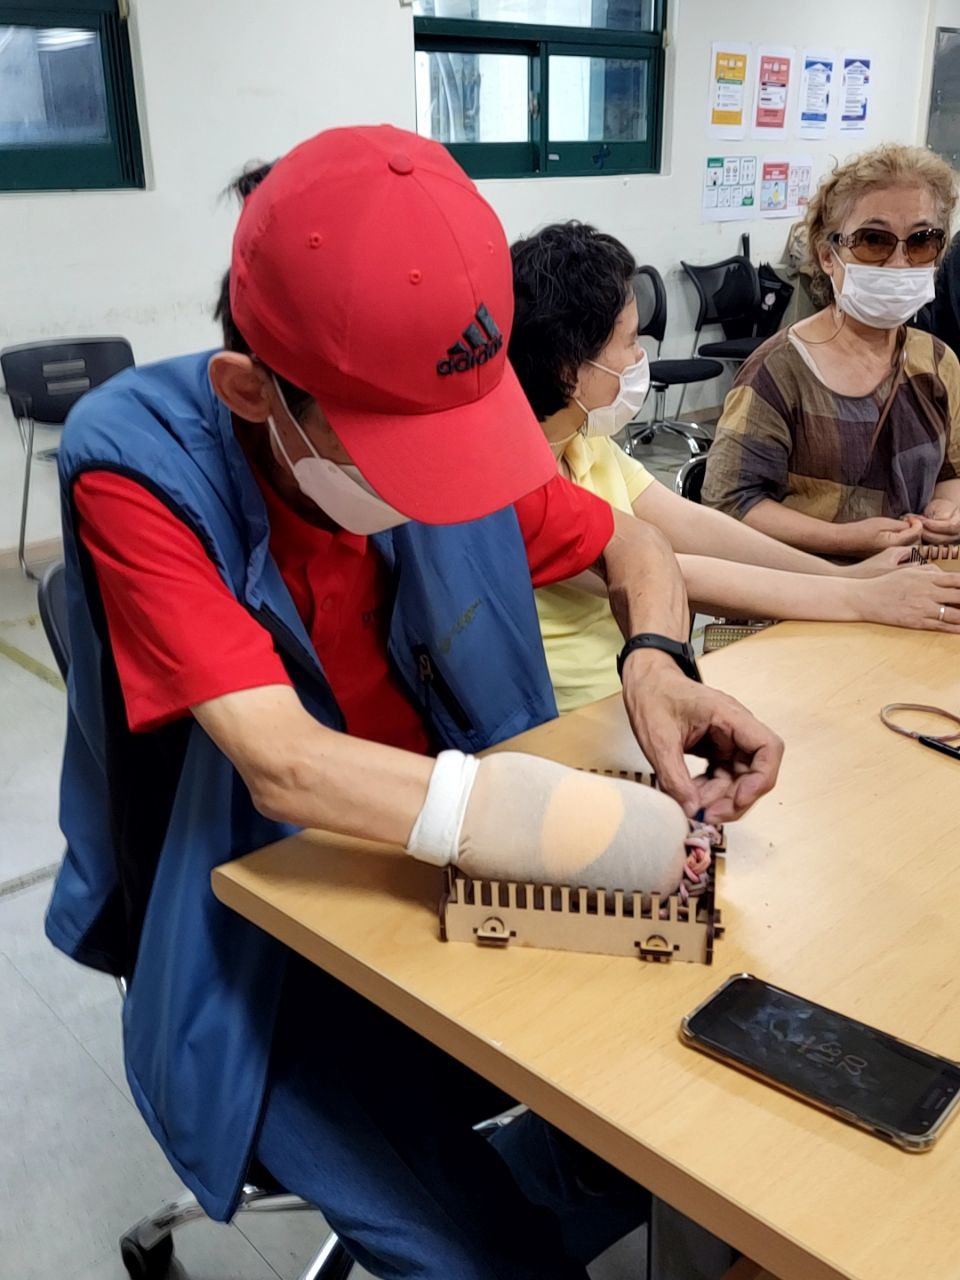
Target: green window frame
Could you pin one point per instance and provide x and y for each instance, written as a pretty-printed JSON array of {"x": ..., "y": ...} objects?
[
  {"x": 540, "y": 156},
  {"x": 116, "y": 161}
]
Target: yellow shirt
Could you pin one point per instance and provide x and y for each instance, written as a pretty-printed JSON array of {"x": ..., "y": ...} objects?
[{"x": 580, "y": 638}]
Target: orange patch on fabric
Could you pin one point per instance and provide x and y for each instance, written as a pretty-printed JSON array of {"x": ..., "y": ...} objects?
[{"x": 579, "y": 824}]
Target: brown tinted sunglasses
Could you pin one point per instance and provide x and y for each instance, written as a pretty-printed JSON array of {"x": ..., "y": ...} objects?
[{"x": 876, "y": 246}]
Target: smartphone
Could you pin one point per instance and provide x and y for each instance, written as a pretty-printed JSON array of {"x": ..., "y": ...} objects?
[{"x": 854, "y": 1071}]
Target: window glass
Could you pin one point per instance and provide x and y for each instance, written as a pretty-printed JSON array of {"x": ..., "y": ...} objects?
[{"x": 52, "y": 90}]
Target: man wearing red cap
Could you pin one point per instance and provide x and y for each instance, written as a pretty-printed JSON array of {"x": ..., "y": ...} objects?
[{"x": 298, "y": 570}]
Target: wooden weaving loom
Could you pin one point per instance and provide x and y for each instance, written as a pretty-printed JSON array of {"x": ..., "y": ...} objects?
[
  {"x": 943, "y": 557},
  {"x": 498, "y": 913}
]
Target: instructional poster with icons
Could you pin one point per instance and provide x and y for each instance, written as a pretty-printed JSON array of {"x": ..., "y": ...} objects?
[
  {"x": 855, "y": 92},
  {"x": 785, "y": 96},
  {"x": 777, "y": 91},
  {"x": 785, "y": 184},
  {"x": 729, "y": 91},
  {"x": 818, "y": 73},
  {"x": 774, "y": 185},
  {"x": 729, "y": 188},
  {"x": 775, "y": 73}
]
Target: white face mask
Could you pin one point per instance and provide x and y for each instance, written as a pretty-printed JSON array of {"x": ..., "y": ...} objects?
[
  {"x": 883, "y": 297},
  {"x": 608, "y": 419},
  {"x": 338, "y": 490}
]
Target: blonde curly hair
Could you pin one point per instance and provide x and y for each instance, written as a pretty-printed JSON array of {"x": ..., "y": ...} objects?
[{"x": 889, "y": 165}]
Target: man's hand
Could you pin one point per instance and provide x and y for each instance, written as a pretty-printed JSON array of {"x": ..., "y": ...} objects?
[
  {"x": 941, "y": 521},
  {"x": 669, "y": 713},
  {"x": 672, "y": 715}
]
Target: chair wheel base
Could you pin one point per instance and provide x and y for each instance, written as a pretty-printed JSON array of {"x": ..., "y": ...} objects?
[
  {"x": 146, "y": 1264},
  {"x": 338, "y": 1266}
]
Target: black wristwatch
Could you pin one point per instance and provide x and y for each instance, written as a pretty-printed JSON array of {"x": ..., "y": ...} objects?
[{"x": 681, "y": 653}]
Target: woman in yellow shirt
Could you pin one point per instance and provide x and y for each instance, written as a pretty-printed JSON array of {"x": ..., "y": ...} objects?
[{"x": 575, "y": 349}]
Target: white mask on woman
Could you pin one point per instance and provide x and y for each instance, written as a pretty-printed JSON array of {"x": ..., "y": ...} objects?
[
  {"x": 338, "y": 489},
  {"x": 608, "y": 419},
  {"x": 883, "y": 297}
]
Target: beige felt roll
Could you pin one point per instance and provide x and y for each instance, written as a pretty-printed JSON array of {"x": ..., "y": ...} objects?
[{"x": 532, "y": 820}]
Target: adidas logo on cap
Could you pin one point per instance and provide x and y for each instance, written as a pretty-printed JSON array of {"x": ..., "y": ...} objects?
[{"x": 481, "y": 342}]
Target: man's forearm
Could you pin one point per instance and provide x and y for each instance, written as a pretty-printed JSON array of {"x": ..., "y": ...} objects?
[
  {"x": 644, "y": 582},
  {"x": 806, "y": 532},
  {"x": 750, "y": 591},
  {"x": 301, "y": 772}
]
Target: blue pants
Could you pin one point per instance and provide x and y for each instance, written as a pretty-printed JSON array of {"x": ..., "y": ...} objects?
[{"x": 373, "y": 1125}]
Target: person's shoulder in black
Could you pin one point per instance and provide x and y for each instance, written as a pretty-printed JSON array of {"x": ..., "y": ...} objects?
[{"x": 941, "y": 317}]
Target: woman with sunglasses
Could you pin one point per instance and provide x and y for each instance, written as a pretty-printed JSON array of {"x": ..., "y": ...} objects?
[{"x": 841, "y": 435}]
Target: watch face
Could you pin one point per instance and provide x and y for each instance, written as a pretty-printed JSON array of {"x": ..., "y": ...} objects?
[
  {"x": 687, "y": 661},
  {"x": 690, "y": 659}
]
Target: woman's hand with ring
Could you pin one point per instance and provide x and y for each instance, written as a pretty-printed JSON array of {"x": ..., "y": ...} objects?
[{"x": 923, "y": 598}]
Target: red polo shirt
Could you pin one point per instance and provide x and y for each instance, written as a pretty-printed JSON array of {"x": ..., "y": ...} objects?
[{"x": 180, "y": 637}]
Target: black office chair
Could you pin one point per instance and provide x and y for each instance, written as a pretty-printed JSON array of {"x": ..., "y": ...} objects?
[
  {"x": 689, "y": 481},
  {"x": 147, "y": 1248},
  {"x": 44, "y": 380},
  {"x": 651, "y": 299},
  {"x": 729, "y": 296},
  {"x": 52, "y": 602}
]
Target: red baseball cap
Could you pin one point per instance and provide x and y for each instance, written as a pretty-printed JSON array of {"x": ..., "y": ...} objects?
[{"x": 368, "y": 271}]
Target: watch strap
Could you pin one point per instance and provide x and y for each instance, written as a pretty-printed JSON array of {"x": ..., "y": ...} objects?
[{"x": 681, "y": 652}]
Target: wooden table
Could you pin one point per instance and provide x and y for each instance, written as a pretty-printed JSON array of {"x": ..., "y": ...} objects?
[{"x": 843, "y": 885}]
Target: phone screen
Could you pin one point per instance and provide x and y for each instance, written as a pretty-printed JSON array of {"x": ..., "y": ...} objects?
[{"x": 831, "y": 1059}]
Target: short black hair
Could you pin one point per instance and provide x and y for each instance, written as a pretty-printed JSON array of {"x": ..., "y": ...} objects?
[
  {"x": 570, "y": 283},
  {"x": 298, "y": 401}
]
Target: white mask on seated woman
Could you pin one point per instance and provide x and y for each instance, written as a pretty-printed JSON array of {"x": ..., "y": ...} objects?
[
  {"x": 883, "y": 297},
  {"x": 608, "y": 419}
]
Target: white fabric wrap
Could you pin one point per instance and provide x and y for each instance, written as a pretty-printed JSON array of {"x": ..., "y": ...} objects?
[
  {"x": 436, "y": 833},
  {"x": 518, "y": 817}
]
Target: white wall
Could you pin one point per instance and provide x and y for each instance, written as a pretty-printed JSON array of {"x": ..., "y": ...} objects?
[
  {"x": 227, "y": 81},
  {"x": 945, "y": 13}
]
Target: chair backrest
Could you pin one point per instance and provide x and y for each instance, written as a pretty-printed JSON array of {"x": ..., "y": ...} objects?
[
  {"x": 52, "y": 600},
  {"x": 44, "y": 380},
  {"x": 651, "y": 299},
  {"x": 690, "y": 477},
  {"x": 729, "y": 293}
]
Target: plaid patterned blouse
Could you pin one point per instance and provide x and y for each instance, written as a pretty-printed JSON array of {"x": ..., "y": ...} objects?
[{"x": 785, "y": 436}]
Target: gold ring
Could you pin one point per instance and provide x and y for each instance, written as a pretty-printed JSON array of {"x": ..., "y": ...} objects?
[{"x": 942, "y": 611}]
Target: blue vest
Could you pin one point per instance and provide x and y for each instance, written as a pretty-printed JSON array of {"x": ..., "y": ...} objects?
[{"x": 148, "y": 816}]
